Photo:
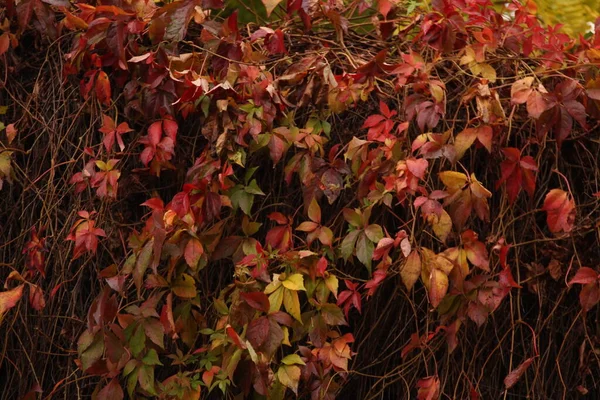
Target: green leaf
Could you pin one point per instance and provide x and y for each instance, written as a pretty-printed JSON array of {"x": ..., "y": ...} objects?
[
  {"x": 233, "y": 362},
  {"x": 151, "y": 358},
  {"x": 354, "y": 217},
  {"x": 129, "y": 367},
  {"x": 90, "y": 348},
  {"x": 364, "y": 250},
  {"x": 332, "y": 314},
  {"x": 253, "y": 188},
  {"x": 142, "y": 264},
  {"x": 249, "y": 172},
  {"x": 374, "y": 233},
  {"x": 137, "y": 342},
  {"x": 132, "y": 382},
  {"x": 242, "y": 199},
  {"x": 146, "y": 379},
  {"x": 348, "y": 243}
]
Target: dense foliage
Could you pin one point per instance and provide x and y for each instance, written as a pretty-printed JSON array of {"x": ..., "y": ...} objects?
[{"x": 356, "y": 199}]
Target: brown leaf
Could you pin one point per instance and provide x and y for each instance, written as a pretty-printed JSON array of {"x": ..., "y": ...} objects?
[
  {"x": 411, "y": 270},
  {"x": 514, "y": 375}
]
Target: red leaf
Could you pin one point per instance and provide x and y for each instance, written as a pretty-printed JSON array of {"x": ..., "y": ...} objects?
[
  {"x": 258, "y": 331},
  {"x": 429, "y": 388},
  {"x": 518, "y": 173},
  {"x": 561, "y": 211},
  {"x": 584, "y": 276},
  {"x": 112, "y": 391},
  {"x": 537, "y": 104},
  {"x": 256, "y": 300},
  {"x": 235, "y": 337},
  {"x": 276, "y": 148},
  {"x": 514, "y": 375},
  {"x": 278, "y": 217},
  {"x": 280, "y": 237},
  {"x": 36, "y": 297},
  {"x": 589, "y": 296}
]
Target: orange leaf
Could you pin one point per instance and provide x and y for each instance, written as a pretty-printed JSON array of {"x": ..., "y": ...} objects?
[
  {"x": 466, "y": 138},
  {"x": 9, "y": 299},
  {"x": 103, "y": 91}
]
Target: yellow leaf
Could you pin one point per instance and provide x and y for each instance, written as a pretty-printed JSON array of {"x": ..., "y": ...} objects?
[
  {"x": 477, "y": 188},
  {"x": 442, "y": 225},
  {"x": 488, "y": 72},
  {"x": 270, "y": 5},
  {"x": 294, "y": 282},
  {"x": 184, "y": 286},
  {"x": 275, "y": 300},
  {"x": 332, "y": 284},
  {"x": 291, "y": 302},
  {"x": 453, "y": 180},
  {"x": 286, "y": 336},
  {"x": 289, "y": 376},
  {"x": 273, "y": 285}
]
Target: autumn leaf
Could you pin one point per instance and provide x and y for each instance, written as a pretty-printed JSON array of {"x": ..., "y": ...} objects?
[
  {"x": 256, "y": 300},
  {"x": 429, "y": 388},
  {"x": 289, "y": 376},
  {"x": 270, "y": 5},
  {"x": 589, "y": 296},
  {"x": 475, "y": 250},
  {"x": 11, "y": 132},
  {"x": 36, "y": 297},
  {"x": 561, "y": 211},
  {"x": 411, "y": 270},
  {"x": 466, "y": 194},
  {"x": 520, "y": 90},
  {"x": 291, "y": 302},
  {"x": 518, "y": 173},
  {"x": 85, "y": 234},
  {"x": 513, "y": 377},
  {"x": 465, "y": 139},
  {"x": 9, "y": 298},
  {"x": 103, "y": 91},
  {"x": 184, "y": 286},
  {"x": 112, "y": 132},
  {"x": 112, "y": 391},
  {"x": 6, "y": 169},
  {"x": 584, "y": 276},
  {"x": 294, "y": 282},
  {"x": 192, "y": 253},
  {"x": 434, "y": 274}
]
